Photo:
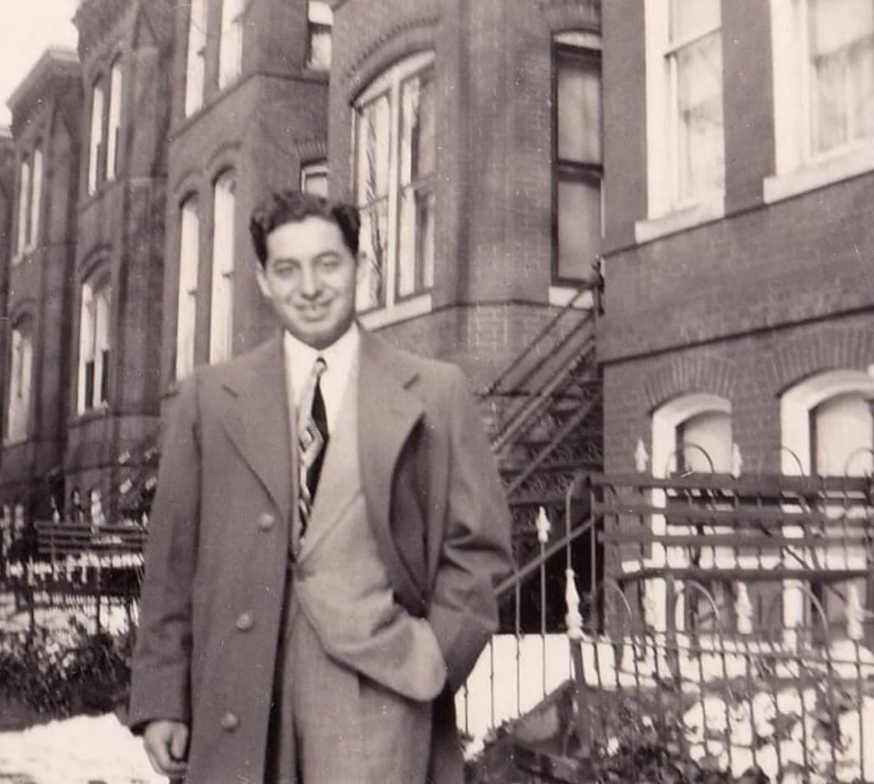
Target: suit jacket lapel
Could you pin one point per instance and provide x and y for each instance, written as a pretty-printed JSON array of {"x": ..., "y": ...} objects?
[
  {"x": 387, "y": 413},
  {"x": 256, "y": 419}
]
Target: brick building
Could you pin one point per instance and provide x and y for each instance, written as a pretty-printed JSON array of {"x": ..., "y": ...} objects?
[
  {"x": 739, "y": 146},
  {"x": 46, "y": 116}
]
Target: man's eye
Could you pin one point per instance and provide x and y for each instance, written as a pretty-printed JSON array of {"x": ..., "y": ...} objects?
[
  {"x": 285, "y": 270},
  {"x": 329, "y": 263}
]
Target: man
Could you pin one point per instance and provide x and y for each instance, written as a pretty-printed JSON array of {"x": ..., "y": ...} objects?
[{"x": 324, "y": 542}]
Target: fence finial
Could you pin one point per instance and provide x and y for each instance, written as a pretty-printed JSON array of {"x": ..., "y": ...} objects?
[
  {"x": 543, "y": 526},
  {"x": 641, "y": 458},
  {"x": 737, "y": 461},
  {"x": 572, "y": 618}
]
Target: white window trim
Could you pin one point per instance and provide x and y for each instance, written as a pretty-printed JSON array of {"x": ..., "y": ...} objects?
[
  {"x": 231, "y": 42},
  {"x": 90, "y": 289},
  {"x": 562, "y": 296},
  {"x": 665, "y": 215},
  {"x": 390, "y": 82},
  {"x": 189, "y": 273},
  {"x": 411, "y": 307},
  {"x": 96, "y": 139},
  {"x": 222, "y": 286},
  {"x": 317, "y": 168},
  {"x": 195, "y": 58},
  {"x": 37, "y": 174},
  {"x": 113, "y": 130},
  {"x": 24, "y": 190},
  {"x": 796, "y": 170},
  {"x": 20, "y": 370}
]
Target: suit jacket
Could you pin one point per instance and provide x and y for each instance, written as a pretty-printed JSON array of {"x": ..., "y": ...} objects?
[{"x": 213, "y": 592}]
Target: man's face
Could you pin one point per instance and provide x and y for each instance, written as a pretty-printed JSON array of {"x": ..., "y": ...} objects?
[{"x": 310, "y": 279}]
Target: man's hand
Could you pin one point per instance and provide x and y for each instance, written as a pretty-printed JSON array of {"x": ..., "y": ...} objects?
[{"x": 166, "y": 745}]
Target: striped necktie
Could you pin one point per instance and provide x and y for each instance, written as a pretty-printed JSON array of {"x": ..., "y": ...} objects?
[{"x": 312, "y": 436}]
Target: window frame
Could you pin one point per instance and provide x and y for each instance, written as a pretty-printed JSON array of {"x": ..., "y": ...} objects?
[
  {"x": 95, "y": 288},
  {"x": 188, "y": 286},
  {"x": 390, "y": 84},
  {"x": 19, "y": 395},
  {"x": 96, "y": 138},
  {"x": 320, "y": 19},
  {"x": 195, "y": 57},
  {"x": 581, "y": 46},
  {"x": 796, "y": 170},
  {"x": 114, "y": 113},
  {"x": 223, "y": 262},
  {"x": 230, "y": 61},
  {"x": 666, "y": 211},
  {"x": 313, "y": 169}
]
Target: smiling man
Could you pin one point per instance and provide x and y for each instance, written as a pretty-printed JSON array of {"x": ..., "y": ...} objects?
[{"x": 324, "y": 544}]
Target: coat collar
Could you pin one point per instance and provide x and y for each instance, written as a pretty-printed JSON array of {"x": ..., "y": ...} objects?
[{"x": 256, "y": 418}]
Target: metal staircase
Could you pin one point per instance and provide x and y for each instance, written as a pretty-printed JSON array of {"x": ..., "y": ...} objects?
[{"x": 546, "y": 426}]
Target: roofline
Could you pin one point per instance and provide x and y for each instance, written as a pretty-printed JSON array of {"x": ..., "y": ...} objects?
[{"x": 49, "y": 60}]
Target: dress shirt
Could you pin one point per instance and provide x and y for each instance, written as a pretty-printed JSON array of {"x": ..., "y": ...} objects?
[{"x": 340, "y": 358}]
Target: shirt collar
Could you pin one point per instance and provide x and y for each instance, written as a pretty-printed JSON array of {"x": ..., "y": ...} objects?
[{"x": 338, "y": 356}]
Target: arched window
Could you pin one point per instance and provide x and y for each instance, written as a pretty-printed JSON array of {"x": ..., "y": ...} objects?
[
  {"x": 94, "y": 343},
  {"x": 189, "y": 267},
  {"x": 222, "y": 293},
  {"x": 20, "y": 381},
  {"x": 395, "y": 156}
]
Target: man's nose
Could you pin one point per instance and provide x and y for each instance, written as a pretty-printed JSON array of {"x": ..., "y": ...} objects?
[{"x": 309, "y": 281}]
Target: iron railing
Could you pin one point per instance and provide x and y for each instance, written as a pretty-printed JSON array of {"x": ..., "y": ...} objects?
[{"x": 727, "y": 621}]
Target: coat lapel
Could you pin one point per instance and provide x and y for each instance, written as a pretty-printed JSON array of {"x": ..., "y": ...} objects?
[
  {"x": 387, "y": 413},
  {"x": 256, "y": 419}
]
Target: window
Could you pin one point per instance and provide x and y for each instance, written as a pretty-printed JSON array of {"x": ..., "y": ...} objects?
[
  {"x": 189, "y": 263},
  {"x": 578, "y": 169},
  {"x": 823, "y": 92},
  {"x": 95, "y": 148},
  {"x": 842, "y": 436},
  {"x": 114, "y": 120},
  {"x": 23, "y": 211},
  {"x": 685, "y": 134},
  {"x": 231, "y": 42},
  {"x": 314, "y": 178},
  {"x": 35, "y": 198},
  {"x": 222, "y": 295},
  {"x": 395, "y": 150},
  {"x": 320, "y": 20},
  {"x": 20, "y": 380},
  {"x": 94, "y": 335},
  {"x": 195, "y": 68}
]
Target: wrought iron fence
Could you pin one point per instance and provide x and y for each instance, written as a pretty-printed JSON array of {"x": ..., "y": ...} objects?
[{"x": 722, "y": 618}]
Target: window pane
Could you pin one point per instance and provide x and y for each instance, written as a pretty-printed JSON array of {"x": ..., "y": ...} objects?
[
  {"x": 700, "y": 144},
  {"x": 35, "y": 197},
  {"x": 96, "y": 145},
  {"x": 221, "y": 300},
  {"x": 841, "y": 35},
  {"x": 373, "y": 151},
  {"x": 689, "y": 17},
  {"x": 189, "y": 258},
  {"x": 417, "y": 127},
  {"x": 416, "y": 234},
  {"x": 579, "y": 108},
  {"x": 231, "y": 42},
  {"x": 374, "y": 236},
  {"x": 23, "y": 192},
  {"x": 114, "y": 129},
  {"x": 195, "y": 57},
  {"x": 844, "y": 437},
  {"x": 579, "y": 227},
  {"x": 314, "y": 179},
  {"x": 706, "y": 443}
]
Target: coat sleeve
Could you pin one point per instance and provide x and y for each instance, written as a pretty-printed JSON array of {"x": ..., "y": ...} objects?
[
  {"x": 475, "y": 553},
  {"x": 160, "y": 687}
]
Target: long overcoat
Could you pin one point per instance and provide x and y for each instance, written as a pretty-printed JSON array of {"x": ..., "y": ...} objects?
[{"x": 217, "y": 554}]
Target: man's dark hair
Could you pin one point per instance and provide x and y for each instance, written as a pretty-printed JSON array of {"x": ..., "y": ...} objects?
[{"x": 291, "y": 206}]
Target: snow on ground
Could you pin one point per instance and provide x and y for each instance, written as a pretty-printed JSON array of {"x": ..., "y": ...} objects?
[{"x": 82, "y": 750}]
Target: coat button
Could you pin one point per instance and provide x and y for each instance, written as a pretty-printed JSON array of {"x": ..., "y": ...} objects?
[
  {"x": 245, "y": 621},
  {"x": 230, "y": 722},
  {"x": 266, "y": 521}
]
